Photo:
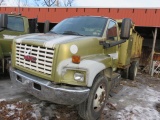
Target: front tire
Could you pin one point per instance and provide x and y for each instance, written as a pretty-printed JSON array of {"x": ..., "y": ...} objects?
[{"x": 91, "y": 109}]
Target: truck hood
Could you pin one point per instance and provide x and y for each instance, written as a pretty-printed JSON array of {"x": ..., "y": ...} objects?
[{"x": 48, "y": 40}]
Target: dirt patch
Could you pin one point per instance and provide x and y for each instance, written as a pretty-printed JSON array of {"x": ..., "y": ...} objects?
[
  {"x": 51, "y": 111},
  {"x": 12, "y": 110},
  {"x": 147, "y": 80},
  {"x": 129, "y": 83},
  {"x": 66, "y": 113},
  {"x": 157, "y": 107}
]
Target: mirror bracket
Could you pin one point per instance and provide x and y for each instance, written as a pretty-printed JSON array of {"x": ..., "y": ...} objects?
[{"x": 111, "y": 44}]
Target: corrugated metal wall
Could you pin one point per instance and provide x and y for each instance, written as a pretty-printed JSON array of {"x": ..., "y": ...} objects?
[{"x": 141, "y": 17}]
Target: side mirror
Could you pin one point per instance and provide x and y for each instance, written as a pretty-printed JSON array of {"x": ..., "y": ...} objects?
[
  {"x": 125, "y": 28},
  {"x": 3, "y": 20}
]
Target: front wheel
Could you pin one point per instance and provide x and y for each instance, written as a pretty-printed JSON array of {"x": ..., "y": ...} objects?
[{"x": 92, "y": 108}]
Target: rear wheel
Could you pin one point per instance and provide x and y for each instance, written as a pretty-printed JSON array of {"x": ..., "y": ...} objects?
[
  {"x": 91, "y": 109},
  {"x": 125, "y": 73},
  {"x": 133, "y": 70}
]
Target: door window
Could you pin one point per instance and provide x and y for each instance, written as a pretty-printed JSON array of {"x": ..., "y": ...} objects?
[{"x": 112, "y": 31}]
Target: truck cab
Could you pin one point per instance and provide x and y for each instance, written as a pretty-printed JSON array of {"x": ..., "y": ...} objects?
[
  {"x": 11, "y": 26},
  {"x": 75, "y": 63}
]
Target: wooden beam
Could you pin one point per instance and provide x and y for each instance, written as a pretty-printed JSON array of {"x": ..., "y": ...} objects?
[{"x": 153, "y": 48}]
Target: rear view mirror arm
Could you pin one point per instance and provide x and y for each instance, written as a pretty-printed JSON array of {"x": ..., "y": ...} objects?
[{"x": 108, "y": 45}]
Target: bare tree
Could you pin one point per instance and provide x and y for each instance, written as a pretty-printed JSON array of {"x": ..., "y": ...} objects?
[
  {"x": 21, "y": 2},
  {"x": 37, "y": 2},
  {"x": 1, "y": 1},
  {"x": 57, "y": 3},
  {"x": 25, "y": 2},
  {"x": 68, "y": 2},
  {"x": 15, "y": 2},
  {"x": 49, "y": 3}
]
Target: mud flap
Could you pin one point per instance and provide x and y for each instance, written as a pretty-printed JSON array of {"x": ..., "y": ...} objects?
[{"x": 116, "y": 87}]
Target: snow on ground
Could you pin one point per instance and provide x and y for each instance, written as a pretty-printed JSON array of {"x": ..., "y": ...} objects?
[
  {"x": 141, "y": 109},
  {"x": 2, "y": 100},
  {"x": 135, "y": 103},
  {"x": 137, "y": 100}
]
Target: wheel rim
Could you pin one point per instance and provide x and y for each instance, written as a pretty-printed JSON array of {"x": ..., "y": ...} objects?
[{"x": 99, "y": 98}]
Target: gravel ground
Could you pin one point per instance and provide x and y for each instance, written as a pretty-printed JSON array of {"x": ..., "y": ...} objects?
[{"x": 137, "y": 100}]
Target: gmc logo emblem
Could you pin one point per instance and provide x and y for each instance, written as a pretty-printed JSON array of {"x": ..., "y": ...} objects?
[{"x": 28, "y": 57}]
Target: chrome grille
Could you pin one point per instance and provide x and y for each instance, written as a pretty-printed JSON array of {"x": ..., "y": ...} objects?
[{"x": 44, "y": 58}]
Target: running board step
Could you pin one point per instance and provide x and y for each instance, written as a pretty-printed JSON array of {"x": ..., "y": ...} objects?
[
  {"x": 115, "y": 84},
  {"x": 115, "y": 79}
]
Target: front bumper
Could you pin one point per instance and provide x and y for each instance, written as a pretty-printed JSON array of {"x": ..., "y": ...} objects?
[{"x": 46, "y": 90}]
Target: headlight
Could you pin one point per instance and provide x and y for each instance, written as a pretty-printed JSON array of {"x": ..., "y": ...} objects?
[{"x": 79, "y": 77}]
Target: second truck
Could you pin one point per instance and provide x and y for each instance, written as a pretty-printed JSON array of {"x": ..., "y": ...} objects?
[
  {"x": 11, "y": 26},
  {"x": 78, "y": 62}
]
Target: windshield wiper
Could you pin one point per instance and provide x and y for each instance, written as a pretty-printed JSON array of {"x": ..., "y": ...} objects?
[
  {"x": 1, "y": 29},
  {"x": 71, "y": 33}
]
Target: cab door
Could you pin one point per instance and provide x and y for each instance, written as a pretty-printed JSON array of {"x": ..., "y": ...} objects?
[{"x": 112, "y": 36}]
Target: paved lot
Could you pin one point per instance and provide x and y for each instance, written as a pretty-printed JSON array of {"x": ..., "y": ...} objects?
[
  {"x": 8, "y": 91},
  {"x": 138, "y": 100}
]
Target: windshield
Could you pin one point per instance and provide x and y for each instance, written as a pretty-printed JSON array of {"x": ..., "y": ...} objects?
[
  {"x": 86, "y": 26},
  {"x": 15, "y": 24}
]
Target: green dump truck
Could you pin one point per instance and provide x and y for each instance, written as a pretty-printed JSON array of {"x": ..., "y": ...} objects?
[
  {"x": 78, "y": 62},
  {"x": 12, "y": 26}
]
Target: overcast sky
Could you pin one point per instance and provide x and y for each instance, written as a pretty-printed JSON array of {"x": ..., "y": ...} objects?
[
  {"x": 118, "y": 3},
  {"x": 103, "y": 3}
]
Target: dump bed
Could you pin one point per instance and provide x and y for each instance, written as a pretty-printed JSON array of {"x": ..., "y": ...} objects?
[
  {"x": 137, "y": 45},
  {"x": 131, "y": 49}
]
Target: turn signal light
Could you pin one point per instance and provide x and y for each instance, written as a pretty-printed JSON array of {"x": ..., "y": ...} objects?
[{"x": 76, "y": 59}]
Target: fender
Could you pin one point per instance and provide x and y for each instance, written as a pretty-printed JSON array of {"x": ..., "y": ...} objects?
[{"x": 91, "y": 66}]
